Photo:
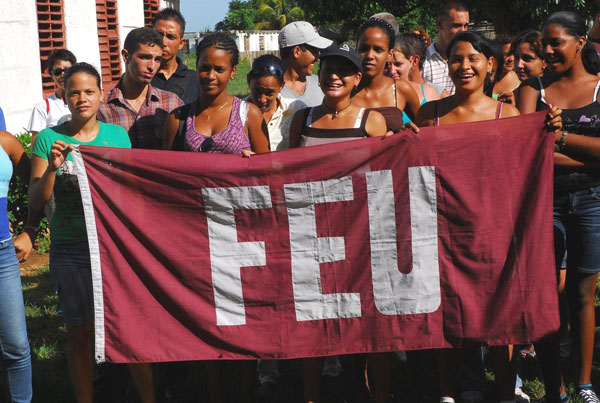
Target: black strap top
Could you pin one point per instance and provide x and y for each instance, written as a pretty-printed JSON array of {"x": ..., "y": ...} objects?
[{"x": 586, "y": 122}]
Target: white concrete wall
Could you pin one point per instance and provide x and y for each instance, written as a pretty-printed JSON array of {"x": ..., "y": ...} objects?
[
  {"x": 20, "y": 71},
  {"x": 272, "y": 42},
  {"x": 82, "y": 31},
  {"x": 131, "y": 16},
  {"x": 253, "y": 43},
  {"x": 170, "y": 3},
  {"x": 239, "y": 40}
]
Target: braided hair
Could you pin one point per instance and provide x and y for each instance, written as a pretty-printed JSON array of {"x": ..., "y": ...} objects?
[
  {"x": 219, "y": 40},
  {"x": 382, "y": 25}
]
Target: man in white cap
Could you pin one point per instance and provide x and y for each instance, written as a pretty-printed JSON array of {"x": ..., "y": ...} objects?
[{"x": 299, "y": 47}]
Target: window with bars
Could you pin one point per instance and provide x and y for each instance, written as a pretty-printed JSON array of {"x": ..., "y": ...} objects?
[
  {"x": 108, "y": 40},
  {"x": 151, "y": 7},
  {"x": 51, "y": 31}
]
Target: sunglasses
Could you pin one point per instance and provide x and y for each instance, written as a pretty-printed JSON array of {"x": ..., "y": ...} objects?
[
  {"x": 58, "y": 71},
  {"x": 207, "y": 145},
  {"x": 272, "y": 69}
]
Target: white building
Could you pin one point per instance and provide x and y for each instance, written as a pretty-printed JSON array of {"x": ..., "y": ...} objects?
[
  {"x": 251, "y": 44},
  {"x": 94, "y": 30}
]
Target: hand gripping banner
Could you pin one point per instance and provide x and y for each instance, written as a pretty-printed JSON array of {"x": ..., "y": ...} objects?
[{"x": 436, "y": 239}]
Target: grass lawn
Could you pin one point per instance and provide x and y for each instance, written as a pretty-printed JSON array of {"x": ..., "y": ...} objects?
[{"x": 51, "y": 380}]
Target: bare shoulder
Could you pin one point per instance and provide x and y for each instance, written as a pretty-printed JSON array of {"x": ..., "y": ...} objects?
[
  {"x": 509, "y": 110},
  {"x": 253, "y": 111},
  {"x": 403, "y": 86}
]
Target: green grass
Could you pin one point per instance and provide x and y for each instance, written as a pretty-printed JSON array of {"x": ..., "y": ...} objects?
[{"x": 47, "y": 338}]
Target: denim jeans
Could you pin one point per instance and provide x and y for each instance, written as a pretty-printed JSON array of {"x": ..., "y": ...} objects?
[
  {"x": 16, "y": 358},
  {"x": 577, "y": 230},
  {"x": 71, "y": 270}
]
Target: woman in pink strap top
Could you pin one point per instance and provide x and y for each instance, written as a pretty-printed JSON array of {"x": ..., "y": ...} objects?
[
  {"x": 217, "y": 122},
  {"x": 468, "y": 68}
]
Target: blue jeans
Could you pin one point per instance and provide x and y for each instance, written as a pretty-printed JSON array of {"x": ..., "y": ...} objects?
[
  {"x": 16, "y": 358},
  {"x": 577, "y": 230},
  {"x": 71, "y": 270}
]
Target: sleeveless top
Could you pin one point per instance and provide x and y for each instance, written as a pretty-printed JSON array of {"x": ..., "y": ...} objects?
[
  {"x": 312, "y": 136},
  {"x": 436, "y": 119},
  {"x": 394, "y": 117},
  {"x": 6, "y": 170},
  {"x": 231, "y": 140},
  {"x": 586, "y": 122},
  {"x": 405, "y": 119}
]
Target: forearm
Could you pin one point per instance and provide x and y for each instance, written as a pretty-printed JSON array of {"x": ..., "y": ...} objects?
[
  {"x": 40, "y": 190},
  {"x": 586, "y": 147}
]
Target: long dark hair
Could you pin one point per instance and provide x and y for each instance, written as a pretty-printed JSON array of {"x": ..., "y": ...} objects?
[
  {"x": 575, "y": 26},
  {"x": 482, "y": 45}
]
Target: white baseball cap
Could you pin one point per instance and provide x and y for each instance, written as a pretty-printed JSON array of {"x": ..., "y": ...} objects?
[{"x": 301, "y": 32}]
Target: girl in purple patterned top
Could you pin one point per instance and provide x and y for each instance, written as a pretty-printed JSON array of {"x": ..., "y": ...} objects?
[{"x": 217, "y": 122}]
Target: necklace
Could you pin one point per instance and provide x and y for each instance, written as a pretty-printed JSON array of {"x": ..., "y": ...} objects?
[
  {"x": 336, "y": 111},
  {"x": 208, "y": 116}
]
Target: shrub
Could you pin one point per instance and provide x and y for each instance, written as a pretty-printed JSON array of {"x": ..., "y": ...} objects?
[{"x": 17, "y": 202}]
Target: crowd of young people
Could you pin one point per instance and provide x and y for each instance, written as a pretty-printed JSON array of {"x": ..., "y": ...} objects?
[{"x": 386, "y": 82}]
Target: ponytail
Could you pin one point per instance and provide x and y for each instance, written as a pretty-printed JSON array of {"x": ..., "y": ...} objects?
[{"x": 590, "y": 58}]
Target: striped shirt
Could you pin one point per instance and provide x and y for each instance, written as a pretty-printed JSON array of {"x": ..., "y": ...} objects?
[
  {"x": 145, "y": 126},
  {"x": 435, "y": 70}
]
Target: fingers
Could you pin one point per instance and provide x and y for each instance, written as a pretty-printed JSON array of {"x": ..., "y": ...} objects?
[
  {"x": 413, "y": 127},
  {"x": 247, "y": 153},
  {"x": 507, "y": 97}
]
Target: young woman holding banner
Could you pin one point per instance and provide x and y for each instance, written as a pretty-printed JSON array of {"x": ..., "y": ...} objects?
[
  {"x": 572, "y": 85},
  {"x": 337, "y": 119},
  {"x": 53, "y": 170},
  {"x": 468, "y": 68},
  {"x": 218, "y": 122}
]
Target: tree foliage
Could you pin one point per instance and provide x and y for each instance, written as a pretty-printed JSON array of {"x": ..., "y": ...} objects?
[
  {"x": 344, "y": 16},
  {"x": 276, "y": 14},
  {"x": 509, "y": 16},
  {"x": 241, "y": 16},
  {"x": 260, "y": 14}
]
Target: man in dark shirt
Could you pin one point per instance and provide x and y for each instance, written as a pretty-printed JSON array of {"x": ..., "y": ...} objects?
[{"x": 173, "y": 74}]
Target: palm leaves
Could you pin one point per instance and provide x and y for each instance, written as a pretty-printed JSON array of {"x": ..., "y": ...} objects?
[{"x": 276, "y": 14}]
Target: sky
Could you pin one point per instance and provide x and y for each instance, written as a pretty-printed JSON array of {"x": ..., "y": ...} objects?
[{"x": 202, "y": 14}]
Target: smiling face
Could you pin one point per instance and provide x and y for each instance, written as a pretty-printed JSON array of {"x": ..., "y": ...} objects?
[
  {"x": 561, "y": 50},
  {"x": 373, "y": 46},
  {"x": 468, "y": 67},
  {"x": 59, "y": 79},
  {"x": 264, "y": 91},
  {"x": 527, "y": 63},
  {"x": 338, "y": 77},
  {"x": 172, "y": 40},
  {"x": 215, "y": 71},
  {"x": 401, "y": 66},
  {"x": 83, "y": 95},
  {"x": 143, "y": 64}
]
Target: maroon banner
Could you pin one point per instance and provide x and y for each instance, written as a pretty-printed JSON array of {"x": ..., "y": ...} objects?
[{"x": 436, "y": 239}]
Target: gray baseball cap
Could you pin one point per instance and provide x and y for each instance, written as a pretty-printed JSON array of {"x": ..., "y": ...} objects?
[{"x": 301, "y": 32}]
